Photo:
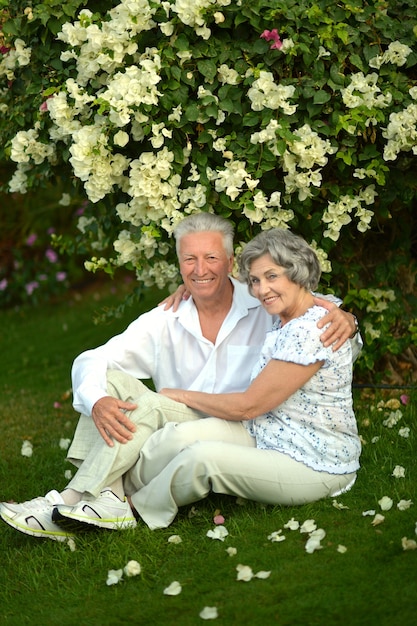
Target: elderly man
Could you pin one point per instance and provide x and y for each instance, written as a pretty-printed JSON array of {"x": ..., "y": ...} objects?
[{"x": 209, "y": 344}]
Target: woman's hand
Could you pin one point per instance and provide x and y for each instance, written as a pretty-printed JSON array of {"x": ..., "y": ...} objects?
[
  {"x": 342, "y": 324},
  {"x": 175, "y": 298}
]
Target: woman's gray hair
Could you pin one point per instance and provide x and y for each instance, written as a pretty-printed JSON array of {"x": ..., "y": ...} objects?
[
  {"x": 203, "y": 222},
  {"x": 287, "y": 250}
]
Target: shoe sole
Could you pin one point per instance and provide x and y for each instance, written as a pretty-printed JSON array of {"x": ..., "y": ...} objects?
[
  {"x": 40, "y": 534},
  {"x": 72, "y": 521}
]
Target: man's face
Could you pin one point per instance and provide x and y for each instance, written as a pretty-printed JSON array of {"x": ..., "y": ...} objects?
[{"x": 204, "y": 265}]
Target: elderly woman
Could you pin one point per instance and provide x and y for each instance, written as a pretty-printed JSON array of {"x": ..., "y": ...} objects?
[{"x": 291, "y": 437}]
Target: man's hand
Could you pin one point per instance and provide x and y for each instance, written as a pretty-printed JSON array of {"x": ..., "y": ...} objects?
[
  {"x": 342, "y": 324},
  {"x": 175, "y": 298},
  {"x": 111, "y": 421}
]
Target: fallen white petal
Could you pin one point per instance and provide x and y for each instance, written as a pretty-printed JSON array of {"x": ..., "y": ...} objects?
[
  {"x": 320, "y": 533},
  {"x": 64, "y": 444},
  {"x": 174, "y": 539},
  {"x": 292, "y": 524},
  {"x": 71, "y": 544},
  {"x": 370, "y": 513},
  {"x": 308, "y": 526},
  {"x": 174, "y": 589},
  {"x": 209, "y": 612},
  {"x": 398, "y": 472},
  {"x": 408, "y": 544},
  {"x": 341, "y": 549},
  {"x": 231, "y": 551},
  {"x": 244, "y": 572},
  {"x": 27, "y": 449},
  {"x": 114, "y": 576},
  {"x": 219, "y": 532},
  {"x": 312, "y": 544},
  {"x": 262, "y": 574},
  {"x": 339, "y": 505},
  {"x": 403, "y": 505},
  {"x": 276, "y": 536},
  {"x": 404, "y": 432},
  {"x": 132, "y": 568},
  {"x": 378, "y": 519},
  {"x": 385, "y": 503}
]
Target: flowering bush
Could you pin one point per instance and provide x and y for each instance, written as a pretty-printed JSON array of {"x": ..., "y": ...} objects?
[{"x": 273, "y": 113}]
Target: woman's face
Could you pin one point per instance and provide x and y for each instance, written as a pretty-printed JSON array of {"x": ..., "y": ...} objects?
[{"x": 277, "y": 294}]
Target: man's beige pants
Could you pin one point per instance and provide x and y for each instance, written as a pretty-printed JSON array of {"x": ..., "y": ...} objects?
[{"x": 99, "y": 465}]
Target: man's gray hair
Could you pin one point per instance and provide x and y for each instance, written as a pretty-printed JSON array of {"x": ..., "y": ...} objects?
[
  {"x": 287, "y": 250},
  {"x": 203, "y": 222}
]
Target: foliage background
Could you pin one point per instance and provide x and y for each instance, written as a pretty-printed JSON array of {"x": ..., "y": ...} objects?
[{"x": 138, "y": 112}]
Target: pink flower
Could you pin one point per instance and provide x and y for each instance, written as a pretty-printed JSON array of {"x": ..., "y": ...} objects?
[
  {"x": 57, "y": 405},
  {"x": 60, "y": 276},
  {"x": 51, "y": 255},
  {"x": 31, "y": 239},
  {"x": 405, "y": 399},
  {"x": 43, "y": 107},
  {"x": 218, "y": 519},
  {"x": 272, "y": 35},
  {"x": 3, "y": 284},
  {"x": 30, "y": 287}
]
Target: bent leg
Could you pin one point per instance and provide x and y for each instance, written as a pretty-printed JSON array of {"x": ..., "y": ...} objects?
[
  {"x": 165, "y": 444},
  {"x": 103, "y": 464},
  {"x": 265, "y": 476}
]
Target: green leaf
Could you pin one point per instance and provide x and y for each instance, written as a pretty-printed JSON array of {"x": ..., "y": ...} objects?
[
  {"x": 207, "y": 68},
  {"x": 320, "y": 97},
  {"x": 192, "y": 112}
]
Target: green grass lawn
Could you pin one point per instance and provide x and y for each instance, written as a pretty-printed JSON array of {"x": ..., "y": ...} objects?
[{"x": 42, "y": 582}]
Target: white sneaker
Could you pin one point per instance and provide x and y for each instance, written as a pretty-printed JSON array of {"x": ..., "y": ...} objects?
[
  {"x": 106, "y": 511},
  {"x": 34, "y": 517}
]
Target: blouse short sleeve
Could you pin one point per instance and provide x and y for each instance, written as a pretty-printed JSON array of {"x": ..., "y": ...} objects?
[{"x": 316, "y": 424}]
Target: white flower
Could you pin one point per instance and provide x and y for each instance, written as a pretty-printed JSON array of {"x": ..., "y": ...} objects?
[
  {"x": 132, "y": 568},
  {"x": 174, "y": 539},
  {"x": 276, "y": 536},
  {"x": 27, "y": 449},
  {"x": 408, "y": 544},
  {"x": 114, "y": 576},
  {"x": 218, "y": 17},
  {"x": 209, "y": 612},
  {"x": 385, "y": 503},
  {"x": 308, "y": 527},
  {"x": 121, "y": 138},
  {"x": 64, "y": 443},
  {"x": 378, "y": 519},
  {"x": 219, "y": 532},
  {"x": 403, "y": 505},
  {"x": 398, "y": 471},
  {"x": 231, "y": 551},
  {"x": 174, "y": 589},
  {"x": 341, "y": 549}
]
